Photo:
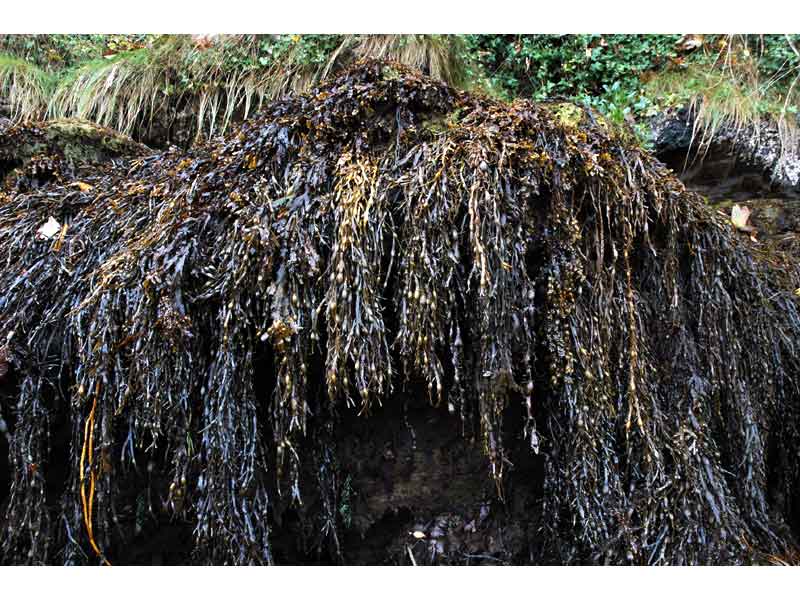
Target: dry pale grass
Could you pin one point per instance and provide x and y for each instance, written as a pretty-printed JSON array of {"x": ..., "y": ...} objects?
[
  {"x": 440, "y": 56},
  {"x": 131, "y": 90},
  {"x": 123, "y": 93},
  {"x": 730, "y": 93},
  {"x": 24, "y": 86}
]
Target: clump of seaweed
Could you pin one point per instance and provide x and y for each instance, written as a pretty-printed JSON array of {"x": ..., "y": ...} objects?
[{"x": 211, "y": 314}]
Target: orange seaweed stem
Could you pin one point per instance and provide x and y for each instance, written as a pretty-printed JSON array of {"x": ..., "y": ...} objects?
[{"x": 87, "y": 501}]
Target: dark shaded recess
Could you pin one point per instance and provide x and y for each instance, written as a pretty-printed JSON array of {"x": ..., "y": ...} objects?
[
  {"x": 175, "y": 124},
  {"x": 726, "y": 167},
  {"x": 148, "y": 533},
  {"x": 405, "y": 466},
  {"x": 7, "y": 165},
  {"x": 721, "y": 174}
]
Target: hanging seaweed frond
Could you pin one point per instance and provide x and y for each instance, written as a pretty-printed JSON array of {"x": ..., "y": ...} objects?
[{"x": 212, "y": 314}]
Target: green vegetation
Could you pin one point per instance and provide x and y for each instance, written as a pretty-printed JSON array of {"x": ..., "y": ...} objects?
[
  {"x": 24, "y": 87},
  {"x": 738, "y": 83},
  {"x": 582, "y": 67},
  {"x": 136, "y": 83}
]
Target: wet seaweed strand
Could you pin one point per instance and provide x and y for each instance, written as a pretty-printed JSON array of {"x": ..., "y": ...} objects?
[{"x": 381, "y": 229}]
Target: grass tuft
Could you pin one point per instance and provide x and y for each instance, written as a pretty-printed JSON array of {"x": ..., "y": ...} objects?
[
  {"x": 440, "y": 56},
  {"x": 123, "y": 92},
  {"x": 728, "y": 91},
  {"x": 220, "y": 79},
  {"x": 24, "y": 86}
]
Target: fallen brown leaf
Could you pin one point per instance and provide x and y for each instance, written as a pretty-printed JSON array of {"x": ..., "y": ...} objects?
[
  {"x": 84, "y": 187},
  {"x": 739, "y": 217}
]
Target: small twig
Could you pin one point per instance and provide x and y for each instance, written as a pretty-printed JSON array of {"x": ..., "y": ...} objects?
[{"x": 788, "y": 96}]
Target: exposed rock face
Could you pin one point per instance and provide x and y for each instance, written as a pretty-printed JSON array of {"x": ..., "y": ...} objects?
[
  {"x": 737, "y": 163},
  {"x": 32, "y": 154},
  {"x": 751, "y": 167}
]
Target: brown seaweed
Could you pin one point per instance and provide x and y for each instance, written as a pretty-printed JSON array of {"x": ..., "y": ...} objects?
[{"x": 381, "y": 229}]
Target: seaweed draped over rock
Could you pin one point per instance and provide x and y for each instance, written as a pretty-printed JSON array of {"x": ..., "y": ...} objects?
[{"x": 214, "y": 314}]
